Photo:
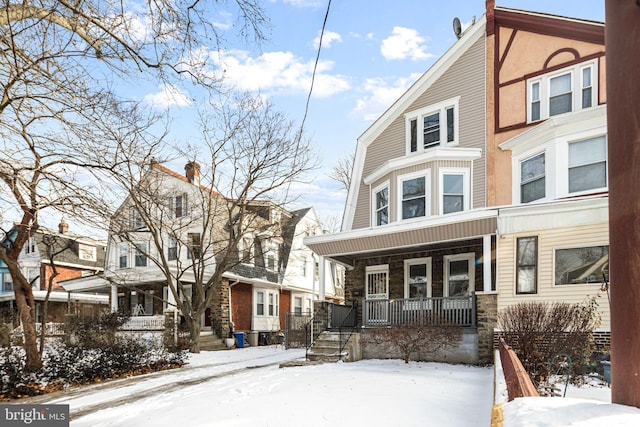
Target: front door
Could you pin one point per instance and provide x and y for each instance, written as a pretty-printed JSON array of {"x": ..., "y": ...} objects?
[{"x": 377, "y": 304}]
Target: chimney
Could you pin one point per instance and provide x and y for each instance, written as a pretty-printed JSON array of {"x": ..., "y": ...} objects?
[
  {"x": 192, "y": 172},
  {"x": 63, "y": 227}
]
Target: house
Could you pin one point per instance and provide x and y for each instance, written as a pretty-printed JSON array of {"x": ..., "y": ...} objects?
[
  {"x": 269, "y": 271},
  {"x": 547, "y": 133},
  {"x": 451, "y": 180},
  {"x": 48, "y": 258}
]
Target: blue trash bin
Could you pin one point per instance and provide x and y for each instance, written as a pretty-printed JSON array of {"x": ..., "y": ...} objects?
[{"x": 239, "y": 336}]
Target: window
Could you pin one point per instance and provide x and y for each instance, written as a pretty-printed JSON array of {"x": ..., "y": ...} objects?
[
  {"x": 194, "y": 246},
  {"x": 148, "y": 303},
  {"x": 454, "y": 190},
  {"x": 563, "y": 91},
  {"x": 180, "y": 206},
  {"x": 260, "y": 303},
  {"x": 136, "y": 220},
  {"x": 532, "y": 178},
  {"x": 123, "y": 252},
  {"x": 304, "y": 267},
  {"x": 526, "y": 267},
  {"x": 7, "y": 282},
  {"x": 459, "y": 275},
  {"x": 309, "y": 305},
  {"x": 273, "y": 304},
  {"x": 30, "y": 245},
  {"x": 297, "y": 305},
  {"x": 141, "y": 255},
  {"x": 413, "y": 193},
  {"x": 267, "y": 303},
  {"x": 438, "y": 126},
  {"x": 381, "y": 205},
  {"x": 588, "y": 164},
  {"x": 417, "y": 278},
  {"x": 172, "y": 252},
  {"x": 581, "y": 265}
]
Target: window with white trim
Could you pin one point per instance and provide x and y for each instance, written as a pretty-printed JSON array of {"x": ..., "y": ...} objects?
[
  {"x": 172, "y": 251},
  {"x": 140, "y": 256},
  {"x": 454, "y": 190},
  {"x": 417, "y": 278},
  {"x": 588, "y": 164},
  {"x": 526, "y": 265},
  {"x": 532, "y": 178},
  {"x": 7, "y": 282},
  {"x": 380, "y": 206},
  {"x": 569, "y": 89},
  {"x": 459, "y": 275},
  {"x": 377, "y": 281},
  {"x": 432, "y": 126},
  {"x": 123, "y": 255},
  {"x": 582, "y": 265},
  {"x": 297, "y": 305},
  {"x": 267, "y": 303},
  {"x": 413, "y": 198}
]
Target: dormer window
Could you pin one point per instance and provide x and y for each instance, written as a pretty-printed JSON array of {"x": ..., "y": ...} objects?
[
  {"x": 569, "y": 89},
  {"x": 86, "y": 252},
  {"x": 432, "y": 126}
]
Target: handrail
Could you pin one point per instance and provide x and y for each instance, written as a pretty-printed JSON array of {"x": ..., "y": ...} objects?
[{"x": 347, "y": 317}]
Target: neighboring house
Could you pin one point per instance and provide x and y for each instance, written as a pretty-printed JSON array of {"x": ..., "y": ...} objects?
[
  {"x": 450, "y": 178},
  {"x": 271, "y": 274},
  {"x": 547, "y": 136},
  {"x": 71, "y": 256}
]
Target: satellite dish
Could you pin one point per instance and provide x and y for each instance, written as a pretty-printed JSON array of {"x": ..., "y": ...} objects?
[{"x": 457, "y": 28}]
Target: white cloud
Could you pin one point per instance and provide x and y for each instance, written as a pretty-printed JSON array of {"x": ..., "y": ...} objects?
[
  {"x": 168, "y": 96},
  {"x": 404, "y": 43},
  {"x": 275, "y": 72},
  {"x": 327, "y": 39},
  {"x": 305, "y": 3},
  {"x": 380, "y": 96}
]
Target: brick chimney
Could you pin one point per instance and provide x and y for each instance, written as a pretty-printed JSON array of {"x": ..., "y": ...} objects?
[
  {"x": 63, "y": 227},
  {"x": 192, "y": 172}
]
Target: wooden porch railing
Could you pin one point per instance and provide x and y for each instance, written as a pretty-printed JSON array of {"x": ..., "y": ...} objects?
[
  {"x": 144, "y": 323},
  {"x": 425, "y": 311}
]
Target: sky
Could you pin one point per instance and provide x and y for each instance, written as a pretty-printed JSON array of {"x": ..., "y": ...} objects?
[
  {"x": 246, "y": 387},
  {"x": 372, "y": 51}
]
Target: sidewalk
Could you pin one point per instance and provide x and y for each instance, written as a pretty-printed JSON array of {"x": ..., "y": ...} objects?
[{"x": 86, "y": 399}]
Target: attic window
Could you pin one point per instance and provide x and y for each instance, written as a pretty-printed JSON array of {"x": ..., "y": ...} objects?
[{"x": 432, "y": 126}]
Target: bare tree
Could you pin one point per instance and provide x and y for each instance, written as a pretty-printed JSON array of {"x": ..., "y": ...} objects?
[
  {"x": 341, "y": 171},
  {"x": 227, "y": 212},
  {"x": 59, "y": 61}
]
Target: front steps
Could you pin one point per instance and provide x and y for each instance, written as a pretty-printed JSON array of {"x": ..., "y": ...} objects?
[
  {"x": 211, "y": 343},
  {"x": 327, "y": 348}
]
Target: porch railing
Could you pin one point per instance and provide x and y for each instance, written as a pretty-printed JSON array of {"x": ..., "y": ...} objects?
[
  {"x": 144, "y": 323},
  {"x": 425, "y": 311}
]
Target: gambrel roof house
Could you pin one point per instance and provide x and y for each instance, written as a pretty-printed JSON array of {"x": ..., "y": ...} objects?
[{"x": 509, "y": 124}]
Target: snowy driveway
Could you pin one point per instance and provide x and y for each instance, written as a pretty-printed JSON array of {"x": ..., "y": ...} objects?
[{"x": 245, "y": 387}]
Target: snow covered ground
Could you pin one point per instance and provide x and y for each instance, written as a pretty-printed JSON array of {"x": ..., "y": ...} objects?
[{"x": 246, "y": 387}]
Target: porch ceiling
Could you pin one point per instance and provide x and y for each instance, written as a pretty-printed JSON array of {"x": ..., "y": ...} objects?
[{"x": 349, "y": 246}]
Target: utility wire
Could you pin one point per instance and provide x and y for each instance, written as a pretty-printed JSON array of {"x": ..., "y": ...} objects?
[{"x": 315, "y": 67}]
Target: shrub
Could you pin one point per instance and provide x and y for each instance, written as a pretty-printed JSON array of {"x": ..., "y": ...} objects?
[
  {"x": 415, "y": 338},
  {"x": 539, "y": 331}
]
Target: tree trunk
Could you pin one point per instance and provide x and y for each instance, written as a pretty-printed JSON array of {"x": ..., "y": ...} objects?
[
  {"x": 26, "y": 311},
  {"x": 194, "y": 335}
]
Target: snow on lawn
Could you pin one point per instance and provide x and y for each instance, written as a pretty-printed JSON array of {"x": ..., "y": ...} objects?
[{"x": 369, "y": 392}]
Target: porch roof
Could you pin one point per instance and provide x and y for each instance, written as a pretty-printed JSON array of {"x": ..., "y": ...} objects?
[{"x": 348, "y": 246}]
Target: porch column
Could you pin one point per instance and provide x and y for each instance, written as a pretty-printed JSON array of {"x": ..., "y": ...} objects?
[
  {"x": 171, "y": 301},
  {"x": 486, "y": 263},
  {"x": 321, "y": 278},
  {"x": 114, "y": 298}
]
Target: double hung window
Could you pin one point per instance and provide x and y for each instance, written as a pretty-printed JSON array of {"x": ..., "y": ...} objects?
[
  {"x": 413, "y": 197},
  {"x": 526, "y": 267},
  {"x": 587, "y": 164},
  {"x": 381, "y": 205},
  {"x": 532, "y": 178}
]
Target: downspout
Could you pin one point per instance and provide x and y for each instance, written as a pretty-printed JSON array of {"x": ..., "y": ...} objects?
[{"x": 230, "y": 304}]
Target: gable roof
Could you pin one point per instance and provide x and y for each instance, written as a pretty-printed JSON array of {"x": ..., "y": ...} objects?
[{"x": 467, "y": 39}]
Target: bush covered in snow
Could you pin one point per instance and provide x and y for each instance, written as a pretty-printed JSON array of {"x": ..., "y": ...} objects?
[{"x": 89, "y": 353}]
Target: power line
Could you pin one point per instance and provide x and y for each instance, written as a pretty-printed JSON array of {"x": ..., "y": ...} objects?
[{"x": 315, "y": 67}]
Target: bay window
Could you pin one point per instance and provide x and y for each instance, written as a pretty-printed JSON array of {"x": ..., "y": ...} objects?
[
  {"x": 381, "y": 205},
  {"x": 588, "y": 164},
  {"x": 413, "y": 201},
  {"x": 532, "y": 178}
]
